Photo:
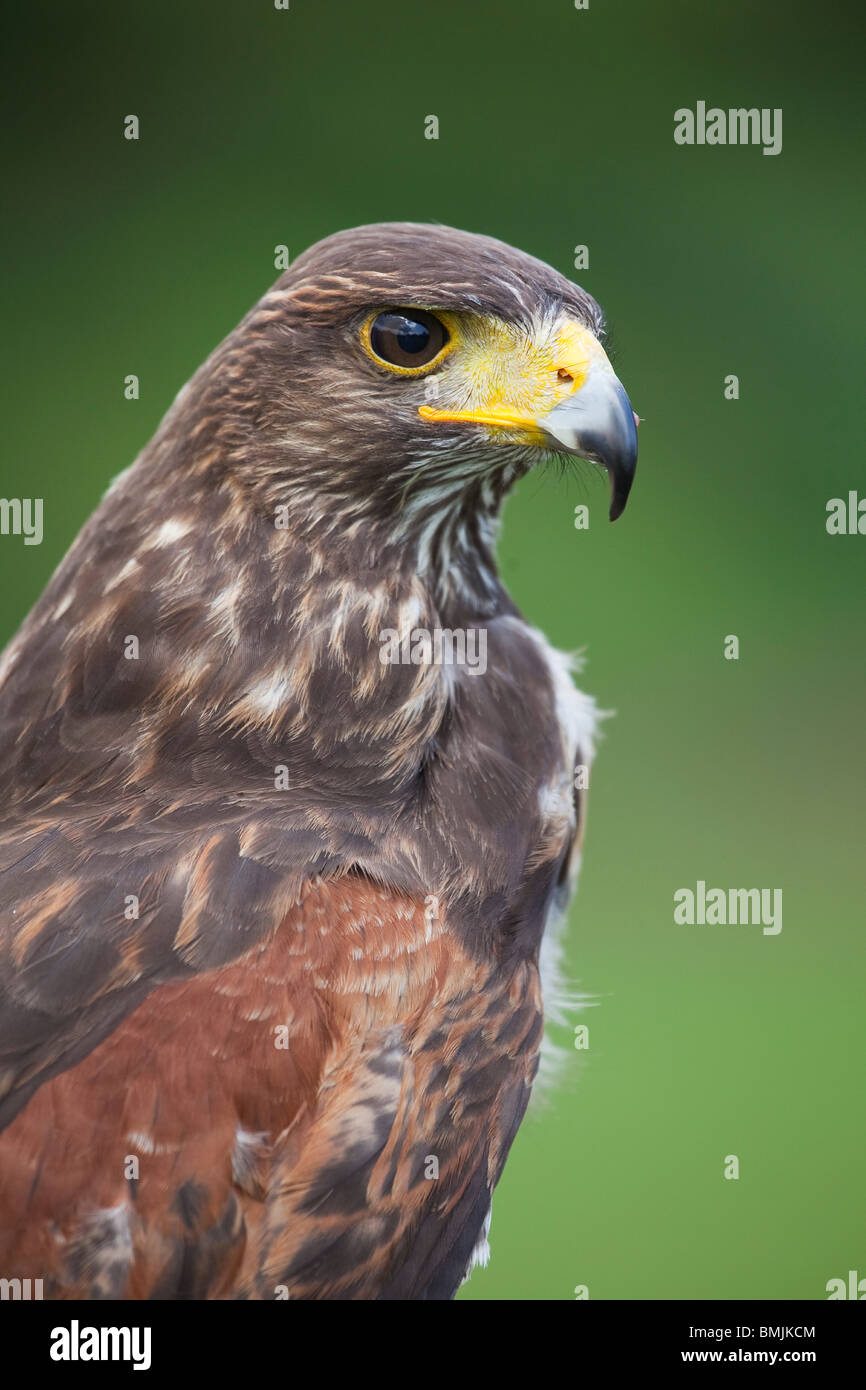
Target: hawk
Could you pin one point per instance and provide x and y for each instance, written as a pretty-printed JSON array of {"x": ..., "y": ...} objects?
[{"x": 278, "y": 849}]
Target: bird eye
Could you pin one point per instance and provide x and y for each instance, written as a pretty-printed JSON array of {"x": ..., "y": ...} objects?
[{"x": 407, "y": 337}]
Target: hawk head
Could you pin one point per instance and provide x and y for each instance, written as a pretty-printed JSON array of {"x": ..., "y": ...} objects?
[{"x": 403, "y": 376}]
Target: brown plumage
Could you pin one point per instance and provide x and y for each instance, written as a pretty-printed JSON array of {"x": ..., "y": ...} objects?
[{"x": 271, "y": 908}]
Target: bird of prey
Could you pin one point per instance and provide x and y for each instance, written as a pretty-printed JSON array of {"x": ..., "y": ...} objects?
[{"x": 278, "y": 848}]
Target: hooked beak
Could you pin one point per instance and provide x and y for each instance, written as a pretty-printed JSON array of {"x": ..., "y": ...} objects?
[
  {"x": 598, "y": 423},
  {"x": 565, "y": 397}
]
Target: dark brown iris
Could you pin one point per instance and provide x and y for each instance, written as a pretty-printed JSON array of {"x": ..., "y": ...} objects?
[{"x": 407, "y": 337}]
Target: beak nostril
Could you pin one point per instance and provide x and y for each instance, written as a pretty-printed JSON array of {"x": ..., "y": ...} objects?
[{"x": 564, "y": 375}]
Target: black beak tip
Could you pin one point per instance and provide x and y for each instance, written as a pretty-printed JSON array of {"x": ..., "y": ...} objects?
[
  {"x": 620, "y": 489},
  {"x": 623, "y": 464}
]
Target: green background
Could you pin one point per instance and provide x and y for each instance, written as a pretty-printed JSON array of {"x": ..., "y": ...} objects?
[{"x": 261, "y": 127}]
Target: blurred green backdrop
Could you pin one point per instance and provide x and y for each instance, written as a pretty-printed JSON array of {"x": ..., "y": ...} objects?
[{"x": 261, "y": 127}]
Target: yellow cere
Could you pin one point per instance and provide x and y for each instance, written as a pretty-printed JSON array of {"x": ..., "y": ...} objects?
[{"x": 501, "y": 376}]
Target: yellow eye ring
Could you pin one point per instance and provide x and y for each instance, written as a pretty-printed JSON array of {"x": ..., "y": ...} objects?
[{"x": 416, "y": 315}]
